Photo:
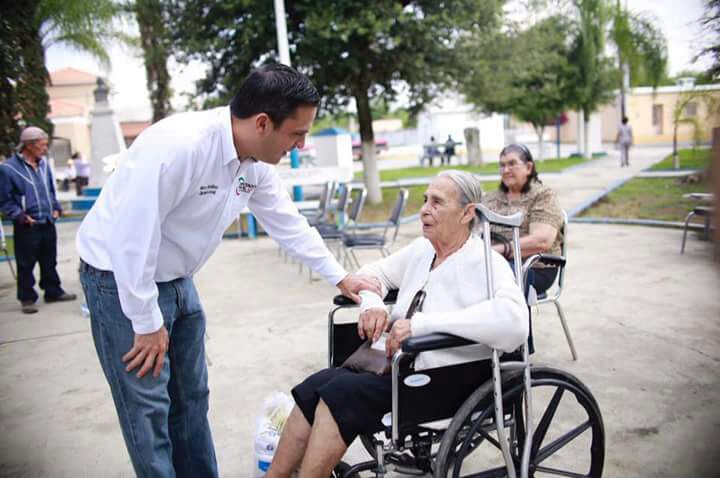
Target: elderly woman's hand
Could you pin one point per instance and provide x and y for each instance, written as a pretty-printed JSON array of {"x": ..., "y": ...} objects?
[
  {"x": 372, "y": 324},
  {"x": 399, "y": 332}
]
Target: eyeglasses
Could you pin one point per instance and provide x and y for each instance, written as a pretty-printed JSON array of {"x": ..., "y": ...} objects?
[
  {"x": 509, "y": 165},
  {"x": 416, "y": 304}
]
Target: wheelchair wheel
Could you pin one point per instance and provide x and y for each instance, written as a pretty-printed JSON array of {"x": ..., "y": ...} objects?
[{"x": 569, "y": 437}]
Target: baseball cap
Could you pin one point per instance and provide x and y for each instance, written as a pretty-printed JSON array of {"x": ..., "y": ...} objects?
[{"x": 31, "y": 133}]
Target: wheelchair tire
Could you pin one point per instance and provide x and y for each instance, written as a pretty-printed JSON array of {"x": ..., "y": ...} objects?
[{"x": 468, "y": 429}]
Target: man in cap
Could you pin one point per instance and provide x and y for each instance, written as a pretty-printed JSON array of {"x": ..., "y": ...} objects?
[{"x": 27, "y": 197}]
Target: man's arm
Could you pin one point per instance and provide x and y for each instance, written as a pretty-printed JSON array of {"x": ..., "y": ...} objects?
[
  {"x": 8, "y": 205},
  {"x": 277, "y": 214}
]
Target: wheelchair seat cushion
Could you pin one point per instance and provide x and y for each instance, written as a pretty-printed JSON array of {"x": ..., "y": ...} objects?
[{"x": 357, "y": 401}]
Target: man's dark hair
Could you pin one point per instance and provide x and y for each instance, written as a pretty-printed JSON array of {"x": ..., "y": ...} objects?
[
  {"x": 624, "y": 120},
  {"x": 526, "y": 157},
  {"x": 276, "y": 90}
]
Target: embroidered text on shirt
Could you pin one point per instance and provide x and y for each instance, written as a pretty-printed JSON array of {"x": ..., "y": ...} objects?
[{"x": 209, "y": 189}]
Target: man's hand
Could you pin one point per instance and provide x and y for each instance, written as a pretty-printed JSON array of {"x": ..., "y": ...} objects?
[
  {"x": 372, "y": 324},
  {"x": 399, "y": 332},
  {"x": 55, "y": 214},
  {"x": 29, "y": 220},
  {"x": 148, "y": 351},
  {"x": 354, "y": 283}
]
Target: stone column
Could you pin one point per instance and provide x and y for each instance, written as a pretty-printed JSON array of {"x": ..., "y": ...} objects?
[{"x": 105, "y": 135}]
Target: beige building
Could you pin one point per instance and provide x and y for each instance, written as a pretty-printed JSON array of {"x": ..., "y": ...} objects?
[
  {"x": 650, "y": 113},
  {"x": 71, "y": 99}
]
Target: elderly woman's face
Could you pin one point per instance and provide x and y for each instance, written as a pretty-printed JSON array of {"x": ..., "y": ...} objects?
[
  {"x": 514, "y": 171},
  {"x": 442, "y": 217}
]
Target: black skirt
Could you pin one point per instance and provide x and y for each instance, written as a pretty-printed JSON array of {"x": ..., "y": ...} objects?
[{"x": 357, "y": 401}]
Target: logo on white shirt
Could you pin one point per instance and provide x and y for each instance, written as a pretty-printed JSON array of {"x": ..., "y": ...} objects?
[{"x": 244, "y": 187}]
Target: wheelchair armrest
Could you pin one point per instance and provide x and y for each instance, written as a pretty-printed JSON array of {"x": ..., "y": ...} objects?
[
  {"x": 550, "y": 260},
  {"x": 427, "y": 342},
  {"x": 389, "y": 299}
]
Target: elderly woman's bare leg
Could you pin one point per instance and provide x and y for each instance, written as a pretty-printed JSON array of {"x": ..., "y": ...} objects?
[
  {"x": 326, "y": 446},
  {"x": 292, "y": 445}
]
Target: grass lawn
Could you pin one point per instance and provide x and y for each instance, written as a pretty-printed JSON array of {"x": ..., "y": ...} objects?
[
  {"x": 689, "y": 159},
  {"x": 648, "y": 198},
  {"x": 10, "y": 247},
  {"x": 546, "y": 166}
]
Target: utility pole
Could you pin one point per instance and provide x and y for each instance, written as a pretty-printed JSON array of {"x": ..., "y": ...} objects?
[{"x": 284, "y": 52}]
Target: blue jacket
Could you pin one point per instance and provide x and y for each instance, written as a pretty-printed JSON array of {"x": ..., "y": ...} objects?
[{"x": 25, "y": 191}]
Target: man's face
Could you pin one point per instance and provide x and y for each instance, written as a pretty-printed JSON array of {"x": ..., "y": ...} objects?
[
  {"x": 37, "y": 148},
  {"x": 276, "y": 142}
]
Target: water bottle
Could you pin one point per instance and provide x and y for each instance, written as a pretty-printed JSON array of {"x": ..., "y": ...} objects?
[{"x": 265, "y": 444}]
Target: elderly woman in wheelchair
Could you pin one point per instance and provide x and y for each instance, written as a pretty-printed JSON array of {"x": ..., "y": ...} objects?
[{"x": 449, "y": 319}]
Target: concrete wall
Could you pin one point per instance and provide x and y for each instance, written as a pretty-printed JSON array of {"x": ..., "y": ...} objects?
[{"x": 451, "y": 116}]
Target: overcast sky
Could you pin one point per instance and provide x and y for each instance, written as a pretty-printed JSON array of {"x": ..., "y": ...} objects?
[{"x": 678, "y": 19}]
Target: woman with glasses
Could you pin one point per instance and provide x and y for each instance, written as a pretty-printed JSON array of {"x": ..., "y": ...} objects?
[
  {"x": 441, "y": 289},
  {"x": 521, "y": 190}
]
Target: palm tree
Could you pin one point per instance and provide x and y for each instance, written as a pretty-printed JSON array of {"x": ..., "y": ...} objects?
[
  {"x": 83, "y": 24},
  {"x": 641, "y": 49},
  {"x": 594, "y": 74}
]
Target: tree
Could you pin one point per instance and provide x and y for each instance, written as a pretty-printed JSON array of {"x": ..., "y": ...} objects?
[
  {"x": 155, "y": 43},
  {"x": 681, "y": 115},
  {"x": 594, "y": 75},
  {"x": 350, "y": 51},
  {"x": 641, "y": 47},
  {"x": 522, "y": 73},
  {"x": 711, "y": 23},
  {"x": 82, "y": 24}
]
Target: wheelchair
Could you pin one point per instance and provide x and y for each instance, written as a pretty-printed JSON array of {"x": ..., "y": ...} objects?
[{"x": 477, "y": 419}]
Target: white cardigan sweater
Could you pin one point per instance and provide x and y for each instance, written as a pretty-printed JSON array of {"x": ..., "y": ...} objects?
[{"x": 456, "y": 300}]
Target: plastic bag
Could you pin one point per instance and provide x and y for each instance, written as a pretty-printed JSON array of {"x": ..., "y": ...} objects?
[{"x": 275, "y": 411}]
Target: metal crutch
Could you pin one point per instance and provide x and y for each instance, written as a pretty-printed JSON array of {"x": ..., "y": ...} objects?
[
  {"x": 3, "y": 246},
  {"x": 486, "y": 217}
]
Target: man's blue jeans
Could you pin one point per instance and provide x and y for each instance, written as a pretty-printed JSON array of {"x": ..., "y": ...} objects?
[{"x": 163, "y": 420}]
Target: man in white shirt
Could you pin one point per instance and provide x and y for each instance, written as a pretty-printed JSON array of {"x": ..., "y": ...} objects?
[{"x": 159, "y": 217}]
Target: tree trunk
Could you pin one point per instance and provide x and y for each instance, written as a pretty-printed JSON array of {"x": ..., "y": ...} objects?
[
  {"x": 474, "y": 152},
  {"x": 586, "y": 136},
  {"x": 540, "y": 130},
  {"x": 32, "y": 98},
  {"x": 579, "y": 133},
  {"x": 371, "y": 174},
  {"x": 153, "y": 39},
  {"x": 676, "y": 158}
]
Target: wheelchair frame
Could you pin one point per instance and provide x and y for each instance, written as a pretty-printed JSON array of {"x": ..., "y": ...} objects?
[{"x": 515, "y": 367}]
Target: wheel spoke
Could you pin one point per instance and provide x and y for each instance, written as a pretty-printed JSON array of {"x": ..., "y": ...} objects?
[
  {"x": 547, "y": 417},
  {"x": 544, "y": 453},
  {"x": 553, "y": 471}
]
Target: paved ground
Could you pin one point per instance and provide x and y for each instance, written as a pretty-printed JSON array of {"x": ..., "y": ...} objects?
[{"x": 644, "y": 319}]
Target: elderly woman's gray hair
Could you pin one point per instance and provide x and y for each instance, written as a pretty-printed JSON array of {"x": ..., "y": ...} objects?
[{"x": 468, "y": 186}]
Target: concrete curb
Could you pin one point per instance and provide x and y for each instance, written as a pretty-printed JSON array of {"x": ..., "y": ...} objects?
[{"x": 637, "y": 222}]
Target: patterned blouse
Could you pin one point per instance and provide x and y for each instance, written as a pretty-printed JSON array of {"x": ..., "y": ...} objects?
[{"x": 540, "y": 204}]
